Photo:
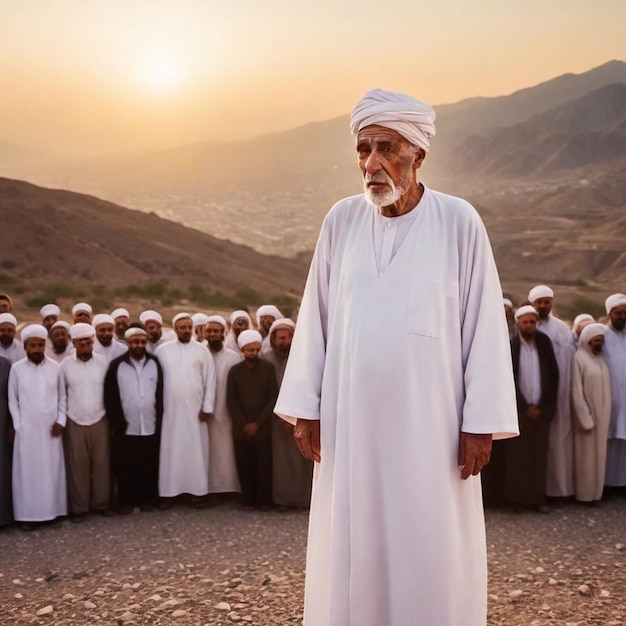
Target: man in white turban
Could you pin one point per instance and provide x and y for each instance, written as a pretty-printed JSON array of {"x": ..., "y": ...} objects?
[
  {"x": 49, "y": 315},
  {"x": 560, "y": 478},
  {"x": 398, "y": 428},
  {"x": 81, "y": 313},
  {"x": 266, "y": 315},
  {"x": 591, "y": 410},
  {"x": 59, "y": 345},
  {"x": 580, "y": 321},
  {"x": 615, "y": 355},
  {"x": 157, "y": 335},
  {"x": 38, "y": 408},
  {"x": 10, "y": 349},
  {"x": 105, "y": 332},
  {"x": 239, "y": 321},
  {"x": 121, "y": 319}
]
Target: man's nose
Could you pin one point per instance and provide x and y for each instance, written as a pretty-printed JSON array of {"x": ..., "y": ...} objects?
[{"x": 372, "y": 163}]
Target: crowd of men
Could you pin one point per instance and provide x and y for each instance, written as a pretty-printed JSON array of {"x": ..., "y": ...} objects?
[
  {"x": 571, "y": 400},
  {"x": 104, "y": 414}
]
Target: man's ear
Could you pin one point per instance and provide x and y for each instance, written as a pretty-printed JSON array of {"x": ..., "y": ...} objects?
[{"x": 420, "y": 155}]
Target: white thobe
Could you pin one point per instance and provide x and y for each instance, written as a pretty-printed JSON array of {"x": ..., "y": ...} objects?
[
  {"x": 560, "y": 472},
  {"x": 614, "y": 352},
  {"x": 230, "y": 342},
  {"x": 14, "y": 353},
  {"x": 188, "y": 388},
  {"x": 167, "y": 335},
  {"x": 395, "y": 536},
  {"x": 59, "y": 358},
  {"x": 110, "y": 352},
  {"x": 223, "y": 476},
  {"x": 36, "y": 402}
]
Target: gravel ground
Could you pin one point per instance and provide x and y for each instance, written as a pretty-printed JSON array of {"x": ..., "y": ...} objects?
[{"x": 221, "y": 566}]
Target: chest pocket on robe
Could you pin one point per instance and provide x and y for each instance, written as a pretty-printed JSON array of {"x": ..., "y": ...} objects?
[{"x": 428, "y": 301}]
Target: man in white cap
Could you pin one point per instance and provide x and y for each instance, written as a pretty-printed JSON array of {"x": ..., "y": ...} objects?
[
  {"x": 580, "y": 321},
  {"x": 406, "y": 421},
  {"x": 536, "y": 382},
  {"x": 133, "y": 395},
  {"x": 615, "y": 355},
  {"x": 37, "y": 406},
  {"x": 239, "y": 321},
  {"x": 266, "y": 314},
  {"x": 49, "y": 315},
  {"x": 59, "y": 345},
  {"x": 509, "y": 313},
  {"x": 251, "y": 394},
  {"x": 223, "y": 476},
  {"x": 189, "y": 401},
  {"x": 591, "y": 410},
  {"x": 157, "y": 335},
  {"x": 86, "y": 436},
  {"x": 105, "y": 345},
  {"x": 560, "y": 479},
  {"x": 292, "y": 474},
  {"x": 81, "y": 313},
  {"x": 10, "y": 349},
  {"x": 121, "y": 319},
  {"x": 199, "y": 320}
]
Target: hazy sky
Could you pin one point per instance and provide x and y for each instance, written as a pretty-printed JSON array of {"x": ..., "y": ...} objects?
[{"x": 121, "y": 75}]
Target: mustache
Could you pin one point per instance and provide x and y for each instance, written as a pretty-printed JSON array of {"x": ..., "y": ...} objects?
[{"x": 378, "y": 177}]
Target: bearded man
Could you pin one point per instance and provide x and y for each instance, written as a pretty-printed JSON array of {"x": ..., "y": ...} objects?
[{"x": 397, "y": 427}]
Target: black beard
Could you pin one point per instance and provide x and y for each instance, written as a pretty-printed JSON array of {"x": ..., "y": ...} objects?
[{"x": 215, "y": 345}]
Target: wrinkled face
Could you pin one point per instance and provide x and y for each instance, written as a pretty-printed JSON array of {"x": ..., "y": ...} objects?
[
  {"x": 59, "y": 338},
  {"x": 510, "y": 316},
  {"x": 214, "y": 334},
  {"x": 5, "y": 306},
  {"x": 281, "y": 340},
  {"x": 617, "y": 317},
  {"x": 240, "y": 324},
  {"x": 82, "y": 317},
  {"x": 121, "y": 325},
  {"x": 388, "y": 164},
  {"x": 84, "y": 347},
  {"x": 596, "y": 343},
  {"x": 543, "y": 307},
  {"x": 265, "y": 321},
  {"x": 184, "y": 330},
  {"x": 104, "y": 333},
  {"x": 35, "y": 349},
  {"x": 137, "y": 346},
  {"x": 154, "y": 330},
  {"x": 7, "y": 334},
  {"x": 527, "y": 325},
  {"x": 251, "y": 351},
  {"x": 49, "y": 320}
]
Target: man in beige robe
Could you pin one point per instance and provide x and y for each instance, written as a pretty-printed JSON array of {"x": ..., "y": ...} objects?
[{"x": 591, "y": 408}]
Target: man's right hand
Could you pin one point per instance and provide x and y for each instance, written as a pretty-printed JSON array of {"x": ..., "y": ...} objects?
[
  {"x": 307, "y": 436},
  {"x": 533, "y": 412}
]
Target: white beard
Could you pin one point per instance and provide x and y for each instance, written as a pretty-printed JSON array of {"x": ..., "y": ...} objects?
[{"x": 389, "y": 196}]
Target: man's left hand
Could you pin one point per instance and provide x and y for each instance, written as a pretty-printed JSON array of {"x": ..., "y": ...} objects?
[
  {"x": 204, "y": 417},
  {"x": 57, "y": 430},
  {"x": 474, "y": 453}
]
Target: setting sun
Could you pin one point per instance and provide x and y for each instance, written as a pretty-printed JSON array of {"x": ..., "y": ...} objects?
[{"x": 161, "y": 73}]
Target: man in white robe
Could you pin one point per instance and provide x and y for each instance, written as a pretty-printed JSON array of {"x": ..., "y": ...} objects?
[
  {"x": 615, "y": 355},
  {"x": 49, "y": 315},
  {"x": 59, "y": 345},
  {"x": 37, "y": 406},
  {"x": 266, "y": 315},
  {"x": 121, "y": 319},
  {"x": 223, "y": 476},
  {"x": 188, "y": 404},
  {"x": 580, "y": 321},
  {"x": 157, "y": 335},
  {"x": 199, "y": 321},
  {"x": 11, "y": 349},
  {"x": 560, "y": 478},
  {"x": 398, "y": 426},
  {"x": 239, "y": 321},
  {"x": 105, "y": 344},
  {"x": 82, "y": 313},
  {"x": 591, "y": 408}
]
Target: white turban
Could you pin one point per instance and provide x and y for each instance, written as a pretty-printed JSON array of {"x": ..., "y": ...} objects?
[
  {"x": 81, "y": 331},
  {"x": 135, "y": 330},
  {"x": 411, "y": 118},
  {"x": 582, "y": 318},
  {"x": 60, "y": 324},
  {"x": 199, "y": 319},
  {"x": 617, "y": 299},
  {"x": 216, "y": 319},
  {"x": 81, "y": 306},
  {"x": 268, "y": 309},
  {"x": 102, "y": 318},
  {"x": 248, "y": 336},
  {"x": 150, "y": 315},
  {"x": 526, "y": 310},
  {"x": 49, "y": 309},
  {"x": 180, "y": 316},
  {"x": 284, "y": 322},
  {"x": 33, "y": 330},
  {"x": 8, "y": 318},
  {"x": 540, "y": 291},
  {"x": 591, "y": 331},
  {"x": 237, "y": 314},
  {"x": 120, "y": 313},
  {"x": 507, "y": 302}
]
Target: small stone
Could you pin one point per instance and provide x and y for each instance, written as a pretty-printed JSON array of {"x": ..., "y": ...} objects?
[
  {"x": 515, "y": 593},
  {"x": 545, "y": 607},
  {"x": 99, "y": 592},
  {"x": 89, "y": 605},
  {"x": 127, "y": 616},
  {"x": 136, "y": 585},
  {"x": 179, "y": 613},
  {"x": 39, "y": 580},
  {"x": 156, "y": 597},
  {"x": 69, "y": 596},
  {"x": 234, "y": 616},
  {"x": 47, "y": 610},
  {"x": 552, "y": 581},
  {"x": 584, "y": 590},
  {"x": 619, "y": 546},
  {"x": 539, "y": 570},
  {"x": 222, "y": 606},
  {"x": 604, "y": 594},
  {"x": 17, "y": 581},
  {"x": 127, "y": 586},
  {"x": 19, "y": 596}
]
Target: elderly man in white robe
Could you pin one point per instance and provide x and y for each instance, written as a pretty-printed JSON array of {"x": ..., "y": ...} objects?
[
  {"x": 223, "y": 476},
  {"x": 239, "y": 321},
  {"x": 37, "y": 406},
  {"x": 580, "y": 321},
  {"x": 82, "y": 313},
  {"x": 121, "y": 319},
  {"x": 59, "y": 345},
  {"x": 560, "y": 478},
  {"x": 615, "y": 355},
  {"x": 591, "y": 408},
  {"x": 11, "y": 349},
  {"x": 266, "y": 315},
  {"x": 399, "y": 428},
  {"x": 188, "y": 405},
  {"x": 49, "y": 315},
  {"x": 105, "y": 343},
  {"x": 157, "y": 335}
]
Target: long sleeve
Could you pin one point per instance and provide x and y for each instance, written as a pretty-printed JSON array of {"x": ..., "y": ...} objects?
[
  {"x": 267, "y": 412},
  {"x": 208, "y": 399},
  {"x": 581, "y": 410},
  {"x": 232, "y": 401},
  {"x": 14, "y": 400},
  {"x": 62, "y": 401}
]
